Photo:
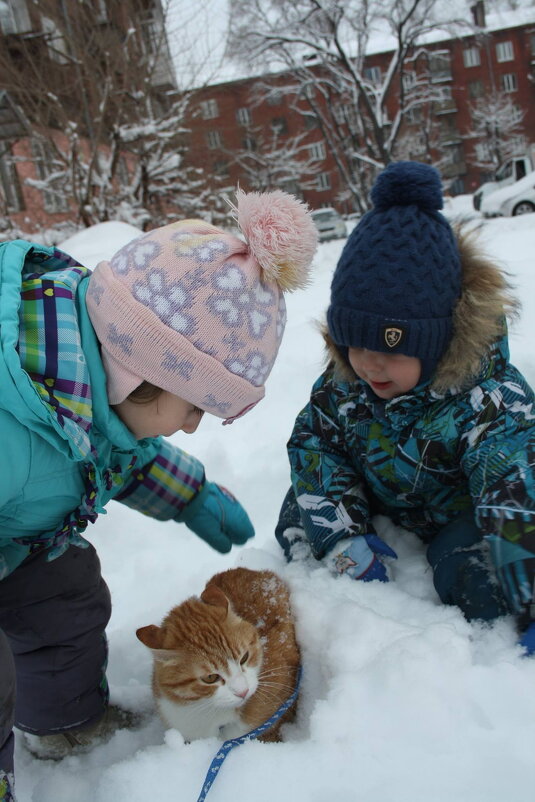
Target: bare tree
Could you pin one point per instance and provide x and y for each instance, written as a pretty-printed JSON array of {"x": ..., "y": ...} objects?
[
  {"x": 497, "y": 128},
  {"x": 325, "y": 46},
  {"x": 277, "y": 163},
  {"x": 97, "y": 84}
]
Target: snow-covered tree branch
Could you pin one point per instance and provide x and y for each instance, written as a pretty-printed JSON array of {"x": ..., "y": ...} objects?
[{"x": 327, "y": 47}]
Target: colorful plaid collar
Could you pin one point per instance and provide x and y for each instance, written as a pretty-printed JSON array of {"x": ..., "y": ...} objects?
[{"x": 50, "y": 347}]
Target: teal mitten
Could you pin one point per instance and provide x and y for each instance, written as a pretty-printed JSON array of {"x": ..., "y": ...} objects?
[{"x": 217, "y": 517}]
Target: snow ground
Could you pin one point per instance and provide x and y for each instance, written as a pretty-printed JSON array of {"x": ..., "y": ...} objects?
[{"x": 401, "y": 698}]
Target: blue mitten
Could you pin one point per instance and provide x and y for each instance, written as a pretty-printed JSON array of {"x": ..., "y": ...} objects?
[
  {"x": 358, "y": 558},
  {"x": 527, "y": 640},
  {"x": 217, "y": 517}
]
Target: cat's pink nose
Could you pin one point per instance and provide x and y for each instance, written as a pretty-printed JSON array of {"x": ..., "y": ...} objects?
[{"x": 242, "y": 694}]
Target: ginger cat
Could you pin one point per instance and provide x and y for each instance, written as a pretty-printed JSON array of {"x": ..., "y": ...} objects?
[{"x": 224, "y": 663}]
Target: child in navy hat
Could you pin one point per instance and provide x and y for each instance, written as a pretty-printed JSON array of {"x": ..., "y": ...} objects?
[{"x": 419, "y": 415}]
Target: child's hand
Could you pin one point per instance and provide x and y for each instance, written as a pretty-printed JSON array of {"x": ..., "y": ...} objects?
[
  {"x": 527, "y": 640},
  {"x": 358, "y": 558},
  {"x": 218, "y": 518}
]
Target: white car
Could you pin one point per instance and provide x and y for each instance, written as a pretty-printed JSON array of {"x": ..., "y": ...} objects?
[
  {"x": 329, "y": 223},
  {"x": 517, "y": 198}
]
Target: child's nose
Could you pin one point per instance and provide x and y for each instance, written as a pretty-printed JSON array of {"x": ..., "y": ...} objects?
[
  {"x": 372, "y": 361},
  {"x": 191, "y": 425}
]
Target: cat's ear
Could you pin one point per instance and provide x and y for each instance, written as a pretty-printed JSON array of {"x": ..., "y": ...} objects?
[
  {"x": 150, "y": 636},
  {"x": 215, "y": 596}
]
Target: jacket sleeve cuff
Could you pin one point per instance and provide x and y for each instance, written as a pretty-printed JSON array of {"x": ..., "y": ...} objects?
[{"x": 162, "y": 488}]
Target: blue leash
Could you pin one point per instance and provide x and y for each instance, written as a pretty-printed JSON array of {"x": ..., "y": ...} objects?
[{"x": 219, "y": 759}]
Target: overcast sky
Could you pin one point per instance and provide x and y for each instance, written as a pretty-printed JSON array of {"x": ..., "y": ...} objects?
[{"x": 197, "y": 35}]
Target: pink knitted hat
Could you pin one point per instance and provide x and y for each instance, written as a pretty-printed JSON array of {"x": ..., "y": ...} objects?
[{"x": 199, "y": 312}]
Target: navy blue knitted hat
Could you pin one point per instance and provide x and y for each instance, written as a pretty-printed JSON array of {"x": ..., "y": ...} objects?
[{"x": 399, "y": 276}]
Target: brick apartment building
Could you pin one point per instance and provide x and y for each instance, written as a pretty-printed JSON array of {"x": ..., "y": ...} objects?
[
  {"x": 228, "y": 126},
  {"x": 40, "y": 46},
  {"x": 225, "y": 118}
]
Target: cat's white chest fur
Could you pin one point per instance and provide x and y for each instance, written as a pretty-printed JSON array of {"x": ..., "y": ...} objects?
[{"x": 201, "y": 719}]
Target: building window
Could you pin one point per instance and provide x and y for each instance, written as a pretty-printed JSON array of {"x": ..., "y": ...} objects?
[
  {"x": 249, "y": 143},
  {"x": 509, "y": 82},
  {"x": 209, "y": 109},
  {"x": 57, "y": 46},
  {"x": 409, "y": 80},
  {"x": 504, "y": 51},
  {"x": 517, "y": 115},
  {"x": 10, "y": 184},
  {"x": 344, "y": 114},
  {"x": 445, "y": 95},
  {"x": 279, "y": 126},
  {"x": 448, "y": 130},
  {"x": 475, "y": 89},
  {"x": 54, "y": 199},
  {"x": 414, "y": 114},
  {"x": 102, "y": 11},
  {"x": 213, "y": 139},
  {"x": 290, "y": 185},
  {"x": 482, "y": 150},
  {"x": 453, "y": 154},
  {"x": 519, "y": 145},
  {"x": 373, "y": 74},
  {"x": 243, "y": 116},
  {"x": 221, "y": 168},
  {"x": 275, "y": 97},
  {"x": 471, "y": 57},
  {"x": 323, "y": 182},
  {"x": 14, "y": 17},
  {"x": 316, "y": 152},
  {"x": 440, "y": 66},
  {"x": 457, "y": 186}
]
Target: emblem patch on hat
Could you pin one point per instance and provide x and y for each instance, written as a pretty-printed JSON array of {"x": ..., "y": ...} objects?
[{"x": 393, "y": 335}]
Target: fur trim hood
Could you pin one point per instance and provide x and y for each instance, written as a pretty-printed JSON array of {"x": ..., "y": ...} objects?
[{"x": 486, "y": 300}]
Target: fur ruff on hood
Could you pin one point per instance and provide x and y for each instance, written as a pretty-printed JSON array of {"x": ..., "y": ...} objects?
[{"x": 478, "y": 319}]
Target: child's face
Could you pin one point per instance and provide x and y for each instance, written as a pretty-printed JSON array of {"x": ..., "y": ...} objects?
[
  {"x": 164, "y": 415},
  {"x": 388, "y": 375}
]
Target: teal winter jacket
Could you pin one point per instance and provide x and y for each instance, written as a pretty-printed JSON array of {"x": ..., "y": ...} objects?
[{"x": 64, "y": 452}]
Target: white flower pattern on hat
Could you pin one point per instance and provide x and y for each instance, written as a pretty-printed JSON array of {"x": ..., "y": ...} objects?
[
  {"x": 281, "y": 317},
  {"x": 167, "y": 300},
  {"x": 202, "y": 249},
  {"x": 235, "y": 303},
  {"x": 255, "y": 367},
  {"x": 138, "y": 254}
]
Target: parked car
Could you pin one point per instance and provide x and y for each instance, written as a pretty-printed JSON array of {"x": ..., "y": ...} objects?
[
  {"x": 508, "y": 173},
  {"x": 329, "y": 223},
  {"x": 518, "y": 198}
]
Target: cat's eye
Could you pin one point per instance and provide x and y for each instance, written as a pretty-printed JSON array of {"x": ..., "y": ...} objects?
[
  {"x": 210, "y": 678},
  {"x": 244, "y": 659}
]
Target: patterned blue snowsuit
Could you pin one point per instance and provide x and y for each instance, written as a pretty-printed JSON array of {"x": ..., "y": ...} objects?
[{"x": 423, "y": 460}]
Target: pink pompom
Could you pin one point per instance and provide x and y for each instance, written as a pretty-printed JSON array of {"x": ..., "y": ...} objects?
[{"x": 280, "y": 234}]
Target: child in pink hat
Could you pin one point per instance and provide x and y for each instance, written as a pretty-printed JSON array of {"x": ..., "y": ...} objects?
[{"x": 94, "y": 367}]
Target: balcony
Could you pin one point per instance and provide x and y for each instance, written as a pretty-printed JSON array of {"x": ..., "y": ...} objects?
[{"x": 447, "y": 106}]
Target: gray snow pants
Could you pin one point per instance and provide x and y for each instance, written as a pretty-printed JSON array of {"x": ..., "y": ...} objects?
[{"x": 53, "y": 647}]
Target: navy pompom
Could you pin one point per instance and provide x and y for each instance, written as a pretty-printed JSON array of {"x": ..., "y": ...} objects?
[{"x": 406, "y": 184}]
